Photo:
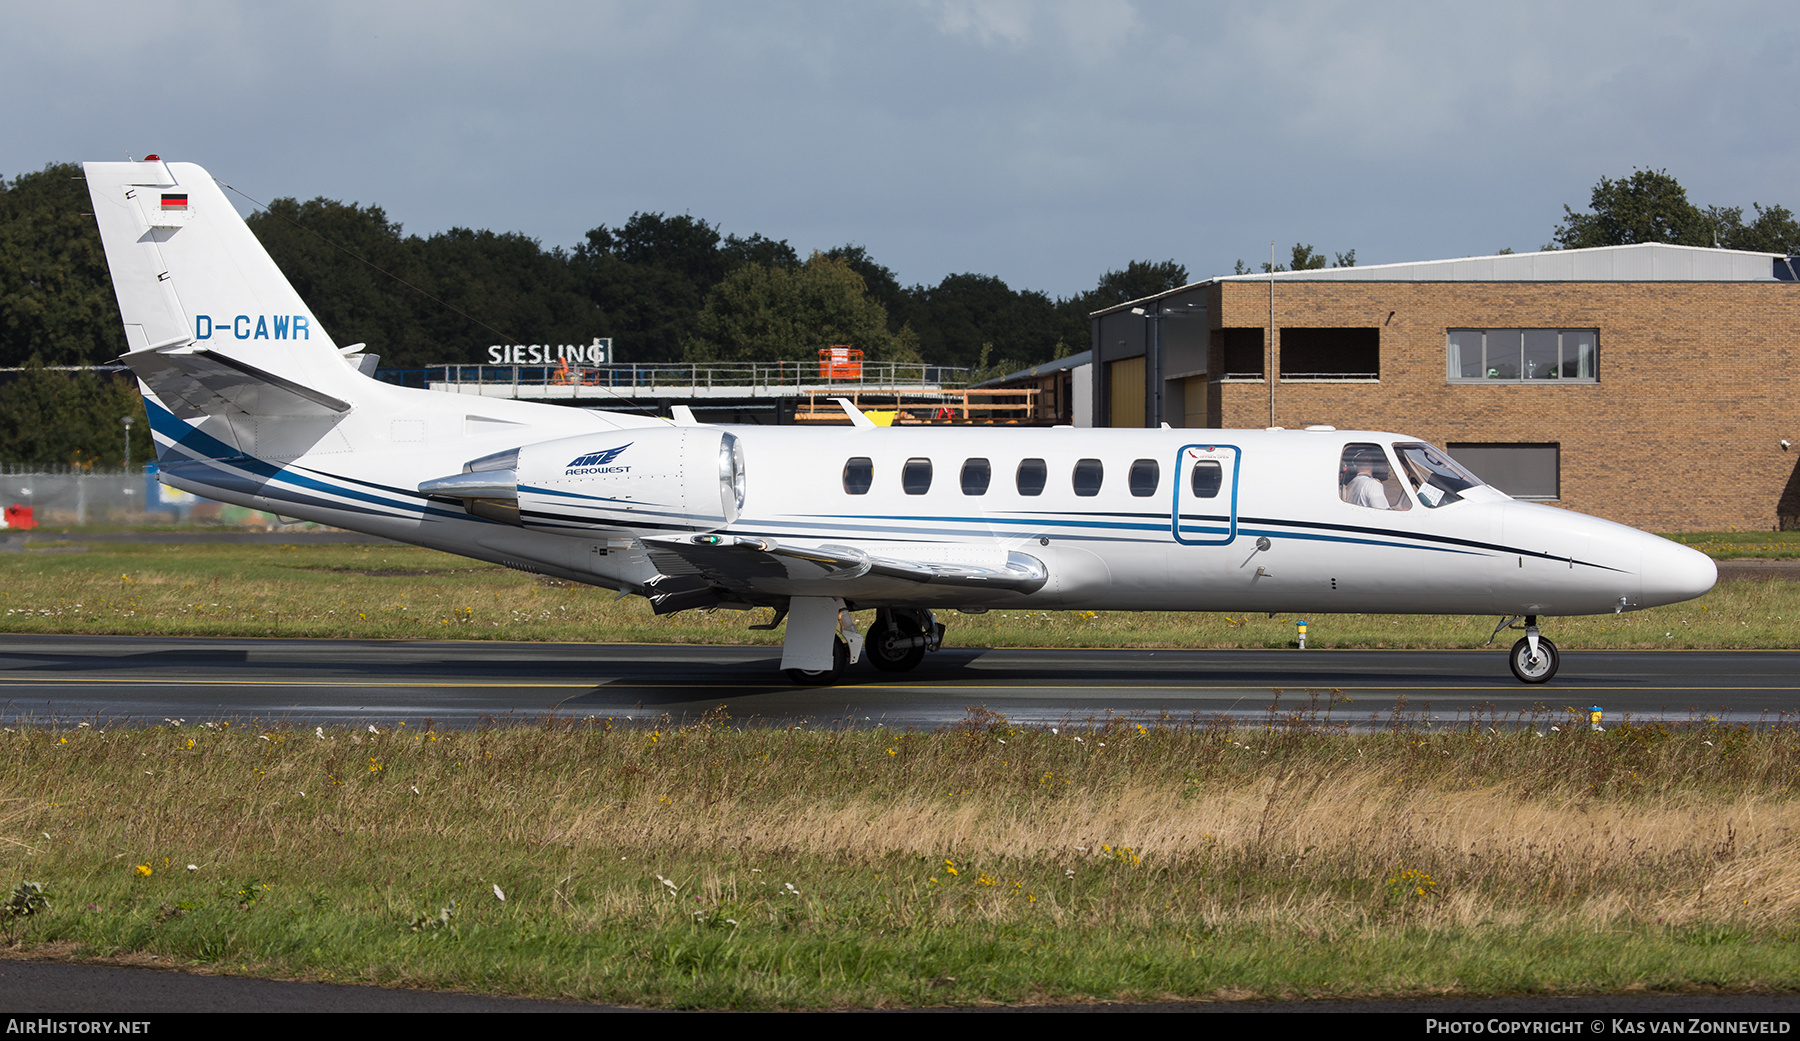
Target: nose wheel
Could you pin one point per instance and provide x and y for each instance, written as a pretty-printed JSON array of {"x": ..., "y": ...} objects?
[
  {"x": 1533, "y": 665},
  {"x": 1533, "y": 658}
]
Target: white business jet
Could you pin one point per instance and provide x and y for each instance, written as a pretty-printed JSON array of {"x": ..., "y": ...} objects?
[{"x": 253, "y": 403}]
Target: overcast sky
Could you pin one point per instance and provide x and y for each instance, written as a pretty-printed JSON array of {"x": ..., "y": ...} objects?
[{"x": 1042, "y": 142}]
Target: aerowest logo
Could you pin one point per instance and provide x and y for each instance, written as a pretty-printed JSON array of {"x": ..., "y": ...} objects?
[
  {"x": 598, "y": 462},
  {"x": 253, "y": 327}
]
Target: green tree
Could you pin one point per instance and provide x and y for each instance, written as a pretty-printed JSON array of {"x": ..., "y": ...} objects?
[
  {"x": 648, "y": 279},
  {"x": 1648, "y": 206},
  {"x": 348, "y": 262},
  {"x": 58, "y": 417},
  {"x": 761, "y": 312},
  {"x": 757, "y": 250},
  {"x": 957, "y": 317},
  {"x": 1302, "y": 258},
  {"x": 1773, "y": 231},
  {"x": 56, "y": 297},
  {"x": 494, "y": 288},
  {"x": 1651, "y": 206},
  {"x": 878, "y": 281},
  {"x": 1139, "y": 279}
]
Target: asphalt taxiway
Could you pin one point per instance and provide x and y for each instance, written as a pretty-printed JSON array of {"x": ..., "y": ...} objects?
[{"x": 332, "y": 682}]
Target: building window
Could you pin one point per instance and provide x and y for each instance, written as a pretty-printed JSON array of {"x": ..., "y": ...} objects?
[
  {"x": 1523, "y": 471},
  {"x": 1522, "y": 355},
  {"x": 859, "y": 474},
  {"x": 915, "y": 477},
  {"x": 1088, "y": 477},
  {"x": 1031, "y": 476},
  {"x": 1331, "y": 354},
  {"x": 975, "y": 476},
  {"x": 1244, "y": 351}
]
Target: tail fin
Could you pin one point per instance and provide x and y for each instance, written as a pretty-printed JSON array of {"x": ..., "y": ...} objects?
[
  {"x": 191, "y": 277},
  {"x": 214, "y": 329}
]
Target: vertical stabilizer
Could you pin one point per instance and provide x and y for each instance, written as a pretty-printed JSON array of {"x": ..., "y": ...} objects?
[{"x": 191, "y": 277}]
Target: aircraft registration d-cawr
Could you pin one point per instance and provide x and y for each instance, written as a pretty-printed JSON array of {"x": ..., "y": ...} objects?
[{"x": 252, "y": 402}]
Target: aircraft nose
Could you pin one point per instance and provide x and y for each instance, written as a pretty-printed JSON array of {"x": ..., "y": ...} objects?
[{"x": 1673, "y": 573}]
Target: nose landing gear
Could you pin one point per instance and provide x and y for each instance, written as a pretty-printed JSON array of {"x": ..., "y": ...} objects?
[{"x": 1534, "y": 658}]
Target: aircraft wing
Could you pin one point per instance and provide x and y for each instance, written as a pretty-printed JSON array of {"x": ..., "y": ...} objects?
[
  {"x": 758, "y": 568},
  {"x": 195, "y": 383}
]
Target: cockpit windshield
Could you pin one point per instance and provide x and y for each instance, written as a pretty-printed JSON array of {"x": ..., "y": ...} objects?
[{"x": 1436, "y": 478}]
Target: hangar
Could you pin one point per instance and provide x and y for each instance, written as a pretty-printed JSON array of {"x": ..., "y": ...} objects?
[{"x": 1650, "y": 384}]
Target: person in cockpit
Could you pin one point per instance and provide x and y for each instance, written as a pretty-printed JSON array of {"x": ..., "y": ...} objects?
[{"x": 1362, "y": 476}]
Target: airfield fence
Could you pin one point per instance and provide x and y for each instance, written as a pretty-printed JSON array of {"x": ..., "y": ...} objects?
[{"x": 62, "y": 496}]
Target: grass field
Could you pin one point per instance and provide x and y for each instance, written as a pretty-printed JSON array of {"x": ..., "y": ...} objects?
[
  {"x": 402, "y": 592},
  {"x": 1743, "y": 545},
  {"x": 717, "y": 867}
]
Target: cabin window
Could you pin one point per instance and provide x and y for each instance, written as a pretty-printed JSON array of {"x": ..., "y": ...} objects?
[
  {"x": 1522, "y": 355},
  {"x": 1365, "y": 479},
  {"x": 1089, "y": 475},
  {"x": 1206, "y": 479},
  {"x": 1144, "y": 477},
  {"x": 976, "y": 473},
  {"x": 1032, "y": 476},
  {"x": 859, "y": 475},
  {"x": 915, "y": 477}
]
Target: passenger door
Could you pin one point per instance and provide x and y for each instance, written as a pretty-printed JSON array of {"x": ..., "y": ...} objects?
[{"x": 1204, "y": 509}]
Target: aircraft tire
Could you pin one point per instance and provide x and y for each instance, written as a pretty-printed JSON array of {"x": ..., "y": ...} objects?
[
  {"x": 896, "y": 659},
  {"x": 840, "y": 660},
  {"x": 1530, "y": 670}
]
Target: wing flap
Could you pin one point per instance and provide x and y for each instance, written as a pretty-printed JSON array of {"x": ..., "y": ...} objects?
[{"x": 763, "y": 567}]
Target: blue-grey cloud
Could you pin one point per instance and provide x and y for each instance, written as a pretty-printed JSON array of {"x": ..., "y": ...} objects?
[{"x": 1040, "y": 142}]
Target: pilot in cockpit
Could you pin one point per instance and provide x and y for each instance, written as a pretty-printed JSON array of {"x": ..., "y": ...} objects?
[{"x": 1362, "y": 477}]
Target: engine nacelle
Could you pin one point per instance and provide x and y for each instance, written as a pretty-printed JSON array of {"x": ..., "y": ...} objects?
[{"x": 646, "y": 480}]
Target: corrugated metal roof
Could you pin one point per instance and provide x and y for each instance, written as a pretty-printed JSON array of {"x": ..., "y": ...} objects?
[
  {"x": 1071, "y": 361},
  {"x": 1645, "y": 262}
]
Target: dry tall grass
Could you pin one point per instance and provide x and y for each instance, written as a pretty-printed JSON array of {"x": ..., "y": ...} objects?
[{"x": 1646, "y": 825}]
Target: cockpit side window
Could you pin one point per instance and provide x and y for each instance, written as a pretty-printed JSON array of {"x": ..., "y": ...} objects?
[
  {"x": 1366, "y": 479},
  {"x": 1436, "y": 478}
]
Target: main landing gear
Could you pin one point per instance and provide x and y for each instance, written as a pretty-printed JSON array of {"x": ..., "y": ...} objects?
[
  {"x": 822, "y": 640},
  {"x": 901, "y": 636},
  {"x": 1534, "y": 658}
]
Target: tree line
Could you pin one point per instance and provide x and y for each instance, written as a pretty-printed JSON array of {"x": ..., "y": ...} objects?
[{"x": 664, "y": 288}]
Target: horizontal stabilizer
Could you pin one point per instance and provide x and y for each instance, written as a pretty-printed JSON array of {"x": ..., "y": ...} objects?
[{"x": 198, "y": 383}]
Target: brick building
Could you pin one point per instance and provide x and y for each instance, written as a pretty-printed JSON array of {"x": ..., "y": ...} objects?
[{"x": 1652, "y": 385}]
